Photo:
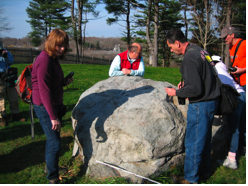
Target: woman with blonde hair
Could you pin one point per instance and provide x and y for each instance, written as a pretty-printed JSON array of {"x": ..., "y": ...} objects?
[{"x": 47, "y": 84}]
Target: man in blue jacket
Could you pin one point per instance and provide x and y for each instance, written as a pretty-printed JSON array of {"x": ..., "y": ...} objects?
[{"x": 6, "y": 59}]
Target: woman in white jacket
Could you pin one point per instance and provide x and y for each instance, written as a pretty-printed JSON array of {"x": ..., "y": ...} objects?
[{"x": 234, "y": 120}]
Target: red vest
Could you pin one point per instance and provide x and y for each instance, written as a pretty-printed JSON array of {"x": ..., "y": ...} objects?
[{"x": 126, "y": 64}]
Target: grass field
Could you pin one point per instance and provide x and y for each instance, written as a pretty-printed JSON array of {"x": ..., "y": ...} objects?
[{"x": 22, "y": 159}]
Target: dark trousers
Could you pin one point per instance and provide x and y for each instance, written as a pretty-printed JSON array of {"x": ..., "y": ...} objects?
[{"x": 53, "y": 142}]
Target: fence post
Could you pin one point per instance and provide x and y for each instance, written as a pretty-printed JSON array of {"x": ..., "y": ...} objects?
[{"x": 31, "y": 55}]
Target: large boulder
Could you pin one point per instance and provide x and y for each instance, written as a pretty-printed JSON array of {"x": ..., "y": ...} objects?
[{"x": 127, "y": 122}]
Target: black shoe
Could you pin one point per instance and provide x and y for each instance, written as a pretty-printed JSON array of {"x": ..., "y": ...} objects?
[
  {"x": 204, "y": 176},
  {"x": 3, "y": 122},
  {"x": 54, "y": 181},
  {"x": 17, "y": 117}
]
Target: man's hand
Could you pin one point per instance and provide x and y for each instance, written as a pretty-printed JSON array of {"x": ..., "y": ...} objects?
[
  {"x": 4, "y": 53},
  {"x": 239, "y": 70},
  {"x": 126, "y": 71},
  {"x": 56, "y": 124},
  {"x": 170, "y": 91},
  {"x": 180, "y": 85}
]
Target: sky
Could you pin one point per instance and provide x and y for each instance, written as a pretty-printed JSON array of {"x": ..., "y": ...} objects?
[{"x": 15, "y": 11}]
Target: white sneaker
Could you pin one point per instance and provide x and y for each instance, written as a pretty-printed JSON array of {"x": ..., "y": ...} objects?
[{"x": 228, "y": 163}]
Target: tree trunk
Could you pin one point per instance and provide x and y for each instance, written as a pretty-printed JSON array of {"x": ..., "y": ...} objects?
[
  {"x": 128, "y": 24},
  {"x": 79, "y": 23},
  {"x": 75, "y": 35},
  {"x": 185, "y": 19},
  {"x": 155, "y": 40},
  {"x": 229, "y": 11},
  {"x": 83, "y": 39},
  {"x": 150, "y": 47}
]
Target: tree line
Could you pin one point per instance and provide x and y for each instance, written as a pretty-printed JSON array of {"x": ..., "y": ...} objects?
[{"x": 143, "y": 21}]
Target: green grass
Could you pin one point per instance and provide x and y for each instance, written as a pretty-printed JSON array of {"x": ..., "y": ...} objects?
[{"x": 22, "y": 159}]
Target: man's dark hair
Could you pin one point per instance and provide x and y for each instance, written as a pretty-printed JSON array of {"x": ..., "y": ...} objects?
[
  {"x": 175, "y": 34},
  {"x": 132, "y": 48}
]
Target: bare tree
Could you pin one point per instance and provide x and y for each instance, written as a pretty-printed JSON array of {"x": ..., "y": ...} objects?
[
  {"x": 4, "y": 26},
  {"x": 83, "y": 6},
  {"x": 153, "y": 44},
  {"x": 228, "y": 23},
  {"x": 74, "y": 27},
  {"x": 205, "y": 21},
  {"x": 77, "y": 25}
]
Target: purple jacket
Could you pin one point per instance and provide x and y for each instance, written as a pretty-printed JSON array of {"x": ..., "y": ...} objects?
[{"x": 47, "y": 83}]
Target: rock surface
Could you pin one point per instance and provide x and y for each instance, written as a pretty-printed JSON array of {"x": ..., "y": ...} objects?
[{"x": 126, "y": 121}]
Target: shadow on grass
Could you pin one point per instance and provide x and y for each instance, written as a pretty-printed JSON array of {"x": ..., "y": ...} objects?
[
  {"x": 27, "y": 156},
  {"x": 70, "y": 108},
  {"x": 70, "y": 89},
  {"x": 13, "y": 131},
  {"x": 18, "y": 129}
]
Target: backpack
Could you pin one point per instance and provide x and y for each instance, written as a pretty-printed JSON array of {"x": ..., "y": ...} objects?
[
  {"x": 23, "y": 87},
  {"x": 23, "y": 84},
  {"x": 9, "y": 77}
]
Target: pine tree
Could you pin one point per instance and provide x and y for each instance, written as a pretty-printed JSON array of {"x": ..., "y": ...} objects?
[
  {"x": 79, "y": 13},
  {"x": 46, "y": 15},
  {"x": 121, "y": 9}
]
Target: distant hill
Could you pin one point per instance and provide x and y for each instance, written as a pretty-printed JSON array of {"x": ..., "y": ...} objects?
[
  {"x": 104, "y": 49},
  {"x": 104, "y": 43}
]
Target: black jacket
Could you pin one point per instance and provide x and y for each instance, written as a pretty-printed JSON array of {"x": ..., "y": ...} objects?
[{"x": 199, "y": 81}]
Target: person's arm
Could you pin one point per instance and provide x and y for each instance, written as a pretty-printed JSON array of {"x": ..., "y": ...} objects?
[
  {"x": 240, "y": 62},
  {"x": 223, "y": 75},
  {"x": 9, "y": 60},
  {"x": 115, "y": 68},
  {"x": 141, "y": 69}
]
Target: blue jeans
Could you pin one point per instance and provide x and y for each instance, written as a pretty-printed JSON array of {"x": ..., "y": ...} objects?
[
  {"x": 244, "y": 87},
  {"x": 242, "y": 127},
  {"x": 234, "y": 122},
  {"x": 198, "y": 139},
  {"x": 53, "y": 142}
]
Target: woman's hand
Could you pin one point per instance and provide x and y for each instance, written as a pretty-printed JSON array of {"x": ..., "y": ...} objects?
[
  {"x": 69, "y": 81},
  {"x": 56, "y": 124}
]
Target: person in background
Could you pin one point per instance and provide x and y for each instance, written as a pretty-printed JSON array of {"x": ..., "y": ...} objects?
[
  {"x": 202, "y": 90},
  {"x": 129, "y": 62},
  {"x": 47, "y": 84},
  {"x": 230, "y": 35},
  {"x": 6, "y": 59},
  {"x": 233, "y": 119}
]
